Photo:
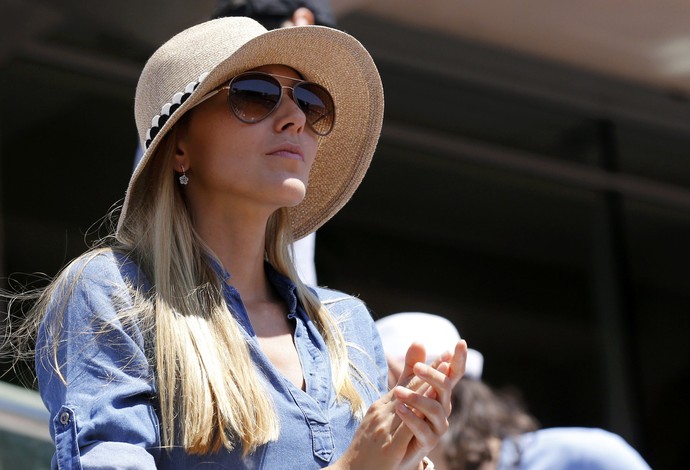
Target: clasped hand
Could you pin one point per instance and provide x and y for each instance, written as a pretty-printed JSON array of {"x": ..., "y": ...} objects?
[{"x": 406, "y": 423}]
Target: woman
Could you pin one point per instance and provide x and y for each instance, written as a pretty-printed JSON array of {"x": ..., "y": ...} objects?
[{"x": 190, "y": 341}]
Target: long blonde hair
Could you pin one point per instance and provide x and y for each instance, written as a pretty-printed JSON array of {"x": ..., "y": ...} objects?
[{"x": 204, "y": 404}]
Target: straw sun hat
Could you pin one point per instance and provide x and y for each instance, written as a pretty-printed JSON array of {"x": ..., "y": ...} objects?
[{"x": 204, "y": 57}]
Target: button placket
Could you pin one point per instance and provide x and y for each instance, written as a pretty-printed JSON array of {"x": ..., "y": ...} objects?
[{"x": 315, "y": 402}]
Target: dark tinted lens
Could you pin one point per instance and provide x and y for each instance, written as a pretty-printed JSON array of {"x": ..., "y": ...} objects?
[
  {"x": 252, "y": 97},
  {"x": 317, "y": 105}
]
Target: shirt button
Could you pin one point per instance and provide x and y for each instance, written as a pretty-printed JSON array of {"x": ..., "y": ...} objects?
[{"x": 64, "y": 418}]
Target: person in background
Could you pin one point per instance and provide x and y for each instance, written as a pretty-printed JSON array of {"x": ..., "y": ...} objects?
[
  {"x": 493, "y": 431},
  {"x": 274, "y": 14}
]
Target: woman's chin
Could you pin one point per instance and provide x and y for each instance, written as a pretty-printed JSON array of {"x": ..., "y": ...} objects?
[
  {"x": 294, "y": 201},
  {"x": 295, "y": 192}
]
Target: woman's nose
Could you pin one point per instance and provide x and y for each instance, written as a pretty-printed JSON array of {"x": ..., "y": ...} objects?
[{"x": 289, "y": 114}]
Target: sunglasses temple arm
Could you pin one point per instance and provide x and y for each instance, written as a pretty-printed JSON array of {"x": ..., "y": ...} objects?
[
  {"x": 321, "y": 118},
  {"x": 210, "y": 95}
]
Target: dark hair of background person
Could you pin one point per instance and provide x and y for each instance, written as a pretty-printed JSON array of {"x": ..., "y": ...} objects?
[
  {"x": 272, "y": 13},
  {"x": 479, "y": 414}
]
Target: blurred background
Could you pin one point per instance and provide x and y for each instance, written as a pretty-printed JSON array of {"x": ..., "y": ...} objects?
[{"x": 532, "y": 184}]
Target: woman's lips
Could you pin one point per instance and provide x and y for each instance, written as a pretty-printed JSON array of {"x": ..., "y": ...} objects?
[{"x": 291, "y": 151}]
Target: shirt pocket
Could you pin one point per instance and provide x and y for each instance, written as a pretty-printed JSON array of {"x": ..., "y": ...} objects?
[{"x": 66, "y": 445}]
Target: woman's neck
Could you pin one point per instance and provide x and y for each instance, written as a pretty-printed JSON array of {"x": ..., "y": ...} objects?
[{"x": 239, "y": 244}]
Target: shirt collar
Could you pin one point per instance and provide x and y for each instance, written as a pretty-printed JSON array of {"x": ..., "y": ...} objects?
[{"x": 283, "y": 285}]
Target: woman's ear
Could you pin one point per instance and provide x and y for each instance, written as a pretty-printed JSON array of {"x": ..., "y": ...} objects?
[
  {"x": 181, "y": 152},
  {"x": 181, "y": 159}
]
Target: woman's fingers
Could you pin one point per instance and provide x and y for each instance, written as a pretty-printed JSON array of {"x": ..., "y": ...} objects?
[
  {"x": 407, "y": 422},
  {"x": 425, "y": 419},
  {"x": 457, "y": 363},
  {"x": 438, "y": 379},
  {"x": 381, "y": 440},
  {"x": 423, "y": 437},
  {"x": 439, "y": 382},
  {"x": 415, "y": 353},
  {"x": 426, "y": 410}
]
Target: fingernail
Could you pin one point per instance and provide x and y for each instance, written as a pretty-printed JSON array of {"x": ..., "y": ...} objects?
[{"x": 421, "y": 369}]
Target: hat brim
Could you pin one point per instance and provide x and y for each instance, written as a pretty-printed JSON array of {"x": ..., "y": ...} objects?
[{"x": 342, "y": 65}]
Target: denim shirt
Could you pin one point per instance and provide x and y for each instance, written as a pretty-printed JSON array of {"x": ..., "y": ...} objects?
[{"x": 107, "y": 415}]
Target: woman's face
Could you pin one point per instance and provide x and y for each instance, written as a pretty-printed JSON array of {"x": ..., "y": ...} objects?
[{"x": 232, "y": 165}]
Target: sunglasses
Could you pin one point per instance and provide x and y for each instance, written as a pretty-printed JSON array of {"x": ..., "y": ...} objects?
[{"x": 253, "y": 96}]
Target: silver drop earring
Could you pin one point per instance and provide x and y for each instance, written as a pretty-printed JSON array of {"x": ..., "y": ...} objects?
[{"x": 183, "y": 178}]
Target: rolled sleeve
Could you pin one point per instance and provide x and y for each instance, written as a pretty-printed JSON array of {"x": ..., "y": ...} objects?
[{"x": 104, "y": 415}]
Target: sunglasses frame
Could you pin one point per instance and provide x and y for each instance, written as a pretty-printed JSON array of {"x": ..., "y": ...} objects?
[{"x": 274, "y": 77}]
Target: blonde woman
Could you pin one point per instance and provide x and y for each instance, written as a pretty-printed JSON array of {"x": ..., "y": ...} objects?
[{"x": 189, "y": 340}]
